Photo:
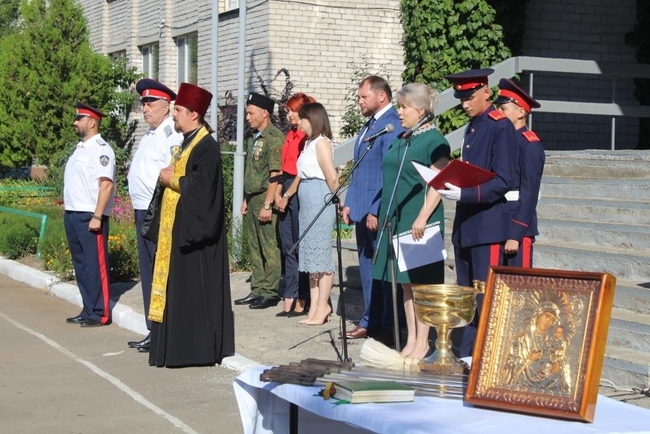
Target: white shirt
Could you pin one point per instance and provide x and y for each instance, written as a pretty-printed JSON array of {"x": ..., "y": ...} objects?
[
  {"x": 308, "y": 167},
  {"x": 154, "y": 153},
  {"x": 92, "y": 160}
]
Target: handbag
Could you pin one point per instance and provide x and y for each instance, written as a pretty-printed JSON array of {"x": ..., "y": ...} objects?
[{"x": 151, "y": 222}]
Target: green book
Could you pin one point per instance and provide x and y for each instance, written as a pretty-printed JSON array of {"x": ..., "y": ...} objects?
[{"x": 357, "y": 392}]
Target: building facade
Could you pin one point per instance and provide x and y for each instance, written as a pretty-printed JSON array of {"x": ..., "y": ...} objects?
[{"x": 322, "y": 42}]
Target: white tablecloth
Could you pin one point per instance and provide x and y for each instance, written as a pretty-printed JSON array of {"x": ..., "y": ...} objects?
[{"x": 264, "y": 408}]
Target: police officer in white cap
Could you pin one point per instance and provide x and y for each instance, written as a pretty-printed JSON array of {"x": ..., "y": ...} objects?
[
  {"x": 160, "y": 142},
  {"x": 88, "y": 193}
]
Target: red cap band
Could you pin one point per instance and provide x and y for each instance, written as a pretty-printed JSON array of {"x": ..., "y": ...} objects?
[
  {"x": 516, "y": 98},
  {"x": 154, "y": 93},
  {"x": 89, "y": 113},
  {"x": 468, "y": 85}
]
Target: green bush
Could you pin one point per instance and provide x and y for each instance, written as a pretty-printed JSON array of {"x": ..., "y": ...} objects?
[
  {"x": 18, "y": 239},
  {"x": 54, "y": 248},
  {"x": 238, "y": 247},
  {"x": 122, "y": 250}
]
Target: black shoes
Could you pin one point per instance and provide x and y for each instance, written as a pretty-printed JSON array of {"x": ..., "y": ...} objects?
[
  {"x": 294, "y": 314},
  {"x": 250, "y": 298},
  {"x": 85, "y": 322},
  {"x": 144, "y": 343},
  {"x": 76, "y": 320},
  {"x": 263, "y": 302},
  {"x": 93, "y": 323}
]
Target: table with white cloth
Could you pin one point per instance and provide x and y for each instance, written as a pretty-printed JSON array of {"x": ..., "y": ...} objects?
[{"x": 270, "y": 407}]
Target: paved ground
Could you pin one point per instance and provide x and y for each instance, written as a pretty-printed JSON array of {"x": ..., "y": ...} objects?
[
  {"x": 70, "y": 379},
  {"x": 60, "y": 378}
]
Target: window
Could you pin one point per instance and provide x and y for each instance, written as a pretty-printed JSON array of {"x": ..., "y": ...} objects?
[
  {"x": 117, "y": 55},
  {"x": 232, "y": 4},
  {"x": 187, "y": 58},
  {"x": 150, "y": 60}
]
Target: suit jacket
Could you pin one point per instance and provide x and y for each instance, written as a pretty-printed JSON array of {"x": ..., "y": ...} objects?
[{"x": 364, "y": 193}]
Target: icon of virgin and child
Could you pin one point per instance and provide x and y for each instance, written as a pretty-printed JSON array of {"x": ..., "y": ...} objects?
[{"x": 537, "y": 356}]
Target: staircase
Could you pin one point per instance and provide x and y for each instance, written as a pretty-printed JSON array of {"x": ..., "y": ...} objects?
[{"x": 594, "y": 215}]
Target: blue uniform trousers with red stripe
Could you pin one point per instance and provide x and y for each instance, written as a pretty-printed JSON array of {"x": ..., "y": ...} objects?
[
  {"x": 89, "y": 252},
  {"x": 524, "y": 256},
  {"x": 146, "y": 254},
  {"x": 473, "y": 263}
]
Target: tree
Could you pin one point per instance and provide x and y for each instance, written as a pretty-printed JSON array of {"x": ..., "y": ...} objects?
[
  {"x": 9, "y": 13},
  {"x": 448, "y": 36},
  {"x": 353, "y": 119},
  {"x": 45, "y": 68}
]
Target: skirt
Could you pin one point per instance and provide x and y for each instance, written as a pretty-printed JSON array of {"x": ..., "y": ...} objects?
[{"x": 316, "y": 245}]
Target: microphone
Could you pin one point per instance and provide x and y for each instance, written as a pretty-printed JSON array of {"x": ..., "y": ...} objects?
[
  {"x": 387, "y": 129},
  {"x": 428, "y": 117}
]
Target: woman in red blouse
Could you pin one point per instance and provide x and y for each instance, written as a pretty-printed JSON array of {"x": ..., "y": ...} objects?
[{"x": 288, "y": 207}]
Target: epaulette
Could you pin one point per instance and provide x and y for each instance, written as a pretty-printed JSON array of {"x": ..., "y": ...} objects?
[
  {"x": 496, "y": 115},
  {"x": 168, "y": 130},
  {"x": 531, "y": 136},
  {"x": 101, "y": 142}
]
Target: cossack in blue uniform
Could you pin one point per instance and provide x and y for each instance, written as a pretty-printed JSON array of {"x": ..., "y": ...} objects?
[
  {"x": 528, "y": 178},
  {"x": 482, "y": 220}
]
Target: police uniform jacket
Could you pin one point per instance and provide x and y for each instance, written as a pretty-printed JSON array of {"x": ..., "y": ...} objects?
[
  {"x": 482, "y": 214},
  {"x": 92, "y": 160},
  {"x": 153, "y": 154},
  {"x": 263, "y": 155},
  {"x": 529, "y": 179}
]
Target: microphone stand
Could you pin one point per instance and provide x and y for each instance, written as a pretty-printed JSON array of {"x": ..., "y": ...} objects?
[
  {"x": 333, "y": 198},
  {"x": 391, "y": 253}
]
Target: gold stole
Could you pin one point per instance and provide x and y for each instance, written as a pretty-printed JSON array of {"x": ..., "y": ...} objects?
[{"x": 163, "y": 251}]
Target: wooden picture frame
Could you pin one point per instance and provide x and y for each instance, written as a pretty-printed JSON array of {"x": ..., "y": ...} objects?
[{"x": 540, "y": 343}]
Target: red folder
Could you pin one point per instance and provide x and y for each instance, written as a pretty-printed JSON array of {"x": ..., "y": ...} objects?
[{"x": 461, "y": 174}]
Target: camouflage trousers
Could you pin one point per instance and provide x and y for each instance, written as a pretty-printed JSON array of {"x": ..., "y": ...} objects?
[{"x": 264, "y": 249}]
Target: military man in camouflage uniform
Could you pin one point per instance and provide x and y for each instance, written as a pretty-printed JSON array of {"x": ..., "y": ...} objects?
[{"x": 263, "y": 161}]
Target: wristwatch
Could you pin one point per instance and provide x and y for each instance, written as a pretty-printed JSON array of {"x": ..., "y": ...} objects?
[
  {"x": 285, "y": 195},
  {"x": 267, "y": 206}
]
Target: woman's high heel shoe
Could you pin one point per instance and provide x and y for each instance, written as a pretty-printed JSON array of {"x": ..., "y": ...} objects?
[
  {"x": 325, "y": 321},
  {"x": 287, "y": 313}
]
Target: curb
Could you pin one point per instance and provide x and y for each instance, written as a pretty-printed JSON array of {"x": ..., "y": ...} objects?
[{"x": 123, "y": 315}]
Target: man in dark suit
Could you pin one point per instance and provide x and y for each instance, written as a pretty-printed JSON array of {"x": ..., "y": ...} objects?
[
  {"x": 363, "y": 198},
  {"x": 482, "y": 221}
]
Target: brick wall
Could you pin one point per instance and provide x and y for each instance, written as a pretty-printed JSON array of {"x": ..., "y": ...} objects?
[
  {"x": 586, "y": 30},
  {"x": 319, "y": 40}
]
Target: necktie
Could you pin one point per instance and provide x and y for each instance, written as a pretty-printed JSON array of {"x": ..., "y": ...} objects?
[{"x": 364, "y": 131}]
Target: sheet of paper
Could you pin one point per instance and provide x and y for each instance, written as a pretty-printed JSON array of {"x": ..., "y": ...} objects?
[
  {"x": 412, "y": 254},
  {"x": 425, "y": 172}
]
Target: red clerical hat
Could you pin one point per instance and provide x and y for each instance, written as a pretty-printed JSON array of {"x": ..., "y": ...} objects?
[{"x": 194, "y": 98}]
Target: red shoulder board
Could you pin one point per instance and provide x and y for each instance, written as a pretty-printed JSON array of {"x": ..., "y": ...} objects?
[
  {"x": 531, "y": 136},
  {"x": 496, "y": 115}
]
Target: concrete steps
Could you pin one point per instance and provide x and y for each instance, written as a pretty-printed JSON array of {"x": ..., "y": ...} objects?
[{"x": 594, "y": 215}]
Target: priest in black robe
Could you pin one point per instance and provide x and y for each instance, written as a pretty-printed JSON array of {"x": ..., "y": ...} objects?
[{"x": 190, "y": 310}]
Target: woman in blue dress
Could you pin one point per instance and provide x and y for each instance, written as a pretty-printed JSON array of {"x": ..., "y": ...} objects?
[
  {"x": 316, "y": 180},
  {"x": 415, "y": 205}
]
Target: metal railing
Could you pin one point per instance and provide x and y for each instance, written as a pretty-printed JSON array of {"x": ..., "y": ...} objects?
[
  {"x": 41, "y": 233},
  {"x": 531, "y": 65}
]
